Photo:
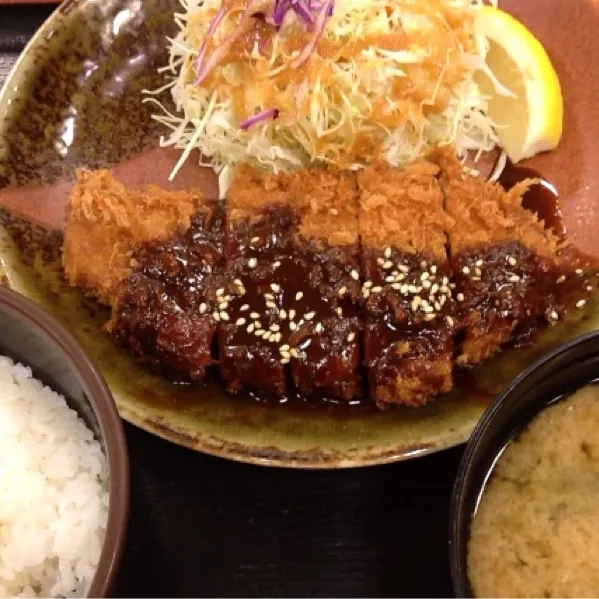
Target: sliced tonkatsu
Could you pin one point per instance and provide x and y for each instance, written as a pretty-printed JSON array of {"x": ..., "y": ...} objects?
[
  {"x": 292, "y": 284},
  {"x": 302, "y": 281},
  {"x": 152, "y": 256},
  {"x": 507, "y": 269},
  {"x": 409, "y": 309}
]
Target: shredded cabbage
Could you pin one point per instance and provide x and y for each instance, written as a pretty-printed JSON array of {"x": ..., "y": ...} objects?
[{"x": 389, "y": 78}]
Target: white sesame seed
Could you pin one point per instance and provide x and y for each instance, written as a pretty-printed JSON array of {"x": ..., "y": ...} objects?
[
  {"x": 396, "y": 286},
  {"x": 478, "y": 272},
  {"x": 250, "y": 328},
  {"x": 277, "y": 337},
  {"x": 389, "y": 279},
  {"x": 223, "y": 305},
  {"x": 430, "y": 316},
  {"x": 269, "y": 296},
  {"x": 258, "y": 324},
  {"x": 424, "y": 276},
  {"x": 244, "y": 308},
  {"x": 579, "y": 271},
  {"x": 298, "y": 296},
  {"x": 512, "y": 261},
  {"x": 514, "y": 279},
  {"x": 266, "y": 336},
  {"x": 451, "y": 285},
  {"x": 554, "y": 315},
  {"x": 240, "y": 322},
  {"x": 219, "y": 291},
  {"x": 380, "y": 261},
  {"x": 403, "y": 268},
  {"x": 434, "y": 288},
  {"x": 238, "y": 283},
  {"x": 415, "y": 303},
  {"x": 561, "y": 279},
  {"x": 366, "y": 293},
  {"x": 203, "y": 308},
  {"x": 387, "y": 253},
  {"x": 581, "y": 303},
  {"x": 216, "y": 316},
  {"x": 286, "y": 355},
  {"x": 277, "y": 264},
  {"x": 368, "y": 284},
  {"x": 445, "y": 281},
  {"x": 271, "y": 305},
  {"x": 405, "y": 289},
  {"x": 466, "y": 270},
  {"x": 274, "y": 328},
  {"x": 427, "y": 284},
  {"x": 400, "y": 277},
  {"x": 342, "y": 291},
  {"x": 445, "y": 290},
  {"x": 294, "y": 352},
  {"x": 460, "y": 297},
  {"x": 434, "y": 269},
  {"x": 252, "y": 262},
  {"x": 589, "y": 288},
  {"x": 224, "y": 316},
  {"x": 376, "y": 289},
  {"x": 319, "y": 328},
  {"x": 292, "y": 326},
  {"x": 284, "y": 348},
  {"x": 291, "y": 314},
  {"x": 276, "y": 288},
  {"x": 475, "y": 278},
  {"x": 428, "y": 309},
  {"x": 355, "y": 275},
  {"x": 283, "y": 314},
  {"x": 255, "y": 315},
  {"x": 351, "y": 337},
  {"x": 423, "y": 264},
  {"x": 437, "y": 306},
  {"x": 285, "y": 360},
  {"x": 449, "y": 320},
  {"x": 255, "y": 240},
  {"x": 479, "y": 262},
  {"x": 412, "y": 289},
  {"x": 260, "y": 333},
  {"x": 387, "y": 265},
  {"x": 309, "y": 315},
  {"x": 339, "y": 311}
]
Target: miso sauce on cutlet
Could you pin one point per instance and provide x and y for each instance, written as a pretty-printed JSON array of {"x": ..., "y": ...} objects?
[{"x": 535, "y": 532}]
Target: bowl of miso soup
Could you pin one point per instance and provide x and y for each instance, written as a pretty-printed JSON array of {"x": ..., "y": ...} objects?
[{"x": 525, "y": 509}]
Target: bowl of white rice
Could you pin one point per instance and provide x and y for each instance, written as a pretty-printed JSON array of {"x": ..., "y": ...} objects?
[{"x": 64, "y": 470}]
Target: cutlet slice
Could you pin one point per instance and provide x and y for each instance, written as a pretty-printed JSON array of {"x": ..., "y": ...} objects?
[
  {"x": 106, "y": 221},
  {"x": 151, "y": 255},
  {"x": 165, "y": 307},
  {"x": 409, "y": 310},
  {"x": 327, "y": 245},
  {"x": 291, "y": 286},
  {"x": 505, "y": 262}
]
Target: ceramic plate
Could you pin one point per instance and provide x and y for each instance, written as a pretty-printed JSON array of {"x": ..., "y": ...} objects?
[{"x": 74, "y": 100}]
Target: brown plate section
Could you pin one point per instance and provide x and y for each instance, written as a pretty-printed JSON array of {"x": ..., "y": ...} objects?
[{"x": 74, "y": 99}]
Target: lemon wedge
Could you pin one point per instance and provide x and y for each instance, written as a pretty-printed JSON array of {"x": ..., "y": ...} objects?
[{"x": 529, "y": 120}]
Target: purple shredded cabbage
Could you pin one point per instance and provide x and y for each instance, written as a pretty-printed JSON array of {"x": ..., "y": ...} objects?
[{"x": 271, "y": 113}]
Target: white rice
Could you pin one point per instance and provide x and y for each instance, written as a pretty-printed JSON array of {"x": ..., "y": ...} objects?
[{"x": 53, "y": 491}]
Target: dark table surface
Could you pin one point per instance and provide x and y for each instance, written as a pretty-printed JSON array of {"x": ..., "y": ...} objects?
[{"x": 202, "y": 526}]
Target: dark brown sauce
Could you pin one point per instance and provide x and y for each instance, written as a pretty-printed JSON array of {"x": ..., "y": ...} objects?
[{"x": 542, "y": 198}]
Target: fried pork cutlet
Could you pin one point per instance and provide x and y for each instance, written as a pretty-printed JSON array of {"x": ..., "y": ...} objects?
[
  {"x": 152, "y": 255},
  {"x": 292, "y": 244},
  {"x": 505, "y": 263},
  {"x": 106, "y": 221},
  {"x": 409, "y": 309}
]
